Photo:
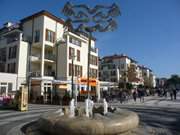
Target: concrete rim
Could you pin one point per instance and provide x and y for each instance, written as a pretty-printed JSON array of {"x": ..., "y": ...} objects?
[{"x": 119, "y": 122}]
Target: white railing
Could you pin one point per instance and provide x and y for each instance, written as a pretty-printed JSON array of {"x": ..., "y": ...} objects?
[
  {"x": 34, "y": 57},
  {"x": 35, "y": 74}
]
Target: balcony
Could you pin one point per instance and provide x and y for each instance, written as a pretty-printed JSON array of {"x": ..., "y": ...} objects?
[
  {"x": 49, "y": 73},
  {"x": 50, "y": 57},
  {"x": 35, "y": 74},
  {"x": 93, "y": 50},
  {"x": 35, "y": 58},
  {"x": 12, "y": 39}
]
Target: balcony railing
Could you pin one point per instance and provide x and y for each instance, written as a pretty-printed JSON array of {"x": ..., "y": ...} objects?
[
  {"x": 12, "y": 39},
  {"x": 50, "y": 57},
  {"x": 93, "y": 50},
  {"x": 35, "y": 74},
  {"x": 49, "y": 73},
  {"x": 35, "y": 57}
]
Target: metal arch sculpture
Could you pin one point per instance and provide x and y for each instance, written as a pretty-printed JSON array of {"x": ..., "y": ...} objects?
[
  {"x": 88, "y": 20},
  {"x": 99, "y": 18}
]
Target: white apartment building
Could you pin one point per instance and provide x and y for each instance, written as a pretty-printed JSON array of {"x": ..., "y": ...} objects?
[
  {"x": 148, "y": 76},
  {"x": 123, "y": 69},
  {"x": 49, "y": 56},
  {"x": 13, "y": 58},
  {"x": 152, "y": 79},
  {"x": 114, "y": 68}
]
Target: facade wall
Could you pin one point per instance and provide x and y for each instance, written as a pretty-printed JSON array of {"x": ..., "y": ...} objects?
[
  {"x": 19, "y": 57},
  {"x": 62, "y": 62},
  {"x": 124, "y": 69},
  {"x": 9, "y": 78},
  {"x": 40, "y": 65},
  {"x": 22, "y": 59},
  {"x": 9, "y": 83}
]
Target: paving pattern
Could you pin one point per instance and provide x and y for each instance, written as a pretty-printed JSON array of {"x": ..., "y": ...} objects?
[
  {"x": 10, "y": 119},
  {"x": 158, "y": 116}
]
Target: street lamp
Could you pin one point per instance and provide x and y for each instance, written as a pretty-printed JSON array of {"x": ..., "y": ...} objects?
[
  {"x": 72, "y": 78},
  {"x": 100, "y": 18}
]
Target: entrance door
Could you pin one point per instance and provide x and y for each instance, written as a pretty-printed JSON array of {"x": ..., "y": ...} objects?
[
  {"x": 47, "y": 92},
  {"x": 3, "y": 89}
]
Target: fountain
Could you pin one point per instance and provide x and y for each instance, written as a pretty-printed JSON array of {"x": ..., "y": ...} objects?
[
  {"x": 89, "y": 104},
  {"x": 72, "y": 108},
  {"x": 105, "y": 106},
  {"x": 87, "y": 107},
  {"x": 89, "y": 119}
]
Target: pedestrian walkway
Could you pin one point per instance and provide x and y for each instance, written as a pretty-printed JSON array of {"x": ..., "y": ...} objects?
[
  {"x": 11, "y": 118},
  {"x": 152, "y": 101}
]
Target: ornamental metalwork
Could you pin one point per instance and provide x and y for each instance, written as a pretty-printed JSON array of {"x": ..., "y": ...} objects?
[{"x": 100, "y": 18}]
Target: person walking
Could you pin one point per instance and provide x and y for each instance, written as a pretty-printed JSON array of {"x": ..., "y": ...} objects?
[
  {"x": 171, "y": 94},
  {"x": 142, "y": 95},
  {"x": 134, "y": 95},
  {"x": 165, "y": 93},
  {"x": 120, "y": 96},
  {"x": 139, "y": 94},
  {"x": 174, "y": 94}
]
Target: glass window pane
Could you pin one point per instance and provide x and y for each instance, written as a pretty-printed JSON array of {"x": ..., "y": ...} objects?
[{"x": 9, "y": 86}]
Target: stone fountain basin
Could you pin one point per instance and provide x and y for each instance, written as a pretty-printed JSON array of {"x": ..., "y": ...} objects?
[{"x": 115, "y": 123}]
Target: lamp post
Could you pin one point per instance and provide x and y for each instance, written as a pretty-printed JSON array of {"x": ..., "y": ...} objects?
[
  {"x": 72, "y": 78},
  {"x": 88, "y": 20}
]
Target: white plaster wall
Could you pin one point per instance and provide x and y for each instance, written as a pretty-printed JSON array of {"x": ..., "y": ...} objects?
[
  {"x": 38, "y": 25},
  {"x": 53, "y": 26},
  {"x": 22, "y": 61},
  {"x": 27, "y": 31},
  {"x": 9, "y": 78}
]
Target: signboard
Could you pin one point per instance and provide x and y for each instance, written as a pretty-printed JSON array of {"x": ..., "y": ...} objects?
[
  {"x": 23, "y": 99},
  {"x": 63, "y": 86},
  {"x": 92, "y": 82}
]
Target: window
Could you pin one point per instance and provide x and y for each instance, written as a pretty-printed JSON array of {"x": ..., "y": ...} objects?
[
  {"x": 93, "y": 88},
  {"x": 93, "y": 72},
  {"x": 78, "y": 55},
  {"x": 37, "y": 36},
  {"x": 9, "y": 86},
  {"x": 77, "y": 70},
  {"x": 11, "y": 68},
  {"x": 122, "y": 66},
  {"x": 2, "y": 67},
  {"x": 113, "y": 80},
  {"x": 50, "y": 36},
  {"x": 11, "y": 39},
  {"x": 12, "y": 52},
  {"x": 113, "y": 73},
  {"x": 71, "y": 52},
  {"x": 3, "y": 55},
  {"x": 75, "y": 41},
  {"x": 70, "y": 69},
  {"x": 93, "y": 60},
  {"x": 3, "y": 88}
]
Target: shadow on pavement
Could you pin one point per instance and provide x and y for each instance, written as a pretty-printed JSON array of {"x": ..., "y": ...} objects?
[{"x": 160, "y": 118}]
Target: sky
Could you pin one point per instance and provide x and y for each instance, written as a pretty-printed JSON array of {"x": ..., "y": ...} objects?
[{"x": 148, "y": 30}]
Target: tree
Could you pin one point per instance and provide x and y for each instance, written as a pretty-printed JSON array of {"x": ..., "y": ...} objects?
[
  {"x": 129, "y": 86},
  {"x": 173, "y": 81}
]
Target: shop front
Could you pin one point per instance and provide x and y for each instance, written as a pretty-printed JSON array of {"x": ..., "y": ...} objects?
[{"x": 82, "y": 88}]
